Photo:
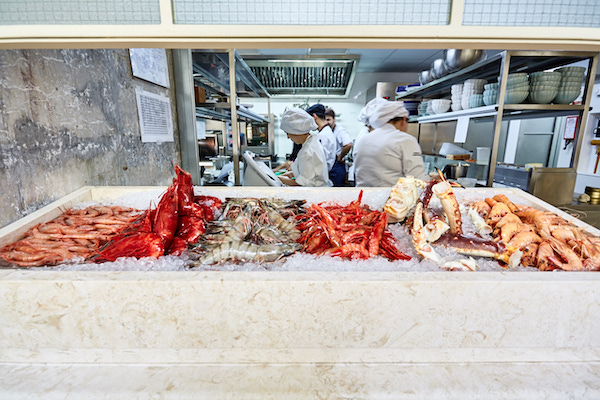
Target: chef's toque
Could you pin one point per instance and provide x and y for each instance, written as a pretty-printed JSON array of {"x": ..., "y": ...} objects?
[
  {"x": 296, "y": 121},
  {"x": 387, "y": 111},
  {"x": 367, "y": 110}
]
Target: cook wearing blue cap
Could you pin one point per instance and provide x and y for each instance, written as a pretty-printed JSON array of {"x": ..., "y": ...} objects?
[{"x": 325, "y": 135}]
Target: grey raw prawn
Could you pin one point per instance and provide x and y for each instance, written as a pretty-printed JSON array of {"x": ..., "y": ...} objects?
[{"x": 246, "y": 252}]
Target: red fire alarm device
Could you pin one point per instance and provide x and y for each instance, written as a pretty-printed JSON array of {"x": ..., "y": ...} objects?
[{"x": 570, "y": 127}]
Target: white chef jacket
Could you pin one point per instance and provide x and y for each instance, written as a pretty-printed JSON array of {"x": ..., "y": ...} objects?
[
  {"x": 310, "y": 167},
  {"x": 386, "y": 154},
  {"x": 362, "y": 133},
  {"x": 328, "y": 142},
  {"x": 342, "y": 138}
]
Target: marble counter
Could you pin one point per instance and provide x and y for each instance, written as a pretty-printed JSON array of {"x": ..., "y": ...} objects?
[
  {"x": 295, "y": 335},
  {"x": 298, "y": 335}
]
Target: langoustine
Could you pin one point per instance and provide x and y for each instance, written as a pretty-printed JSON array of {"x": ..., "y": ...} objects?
[{"x": 74, "y": 235}]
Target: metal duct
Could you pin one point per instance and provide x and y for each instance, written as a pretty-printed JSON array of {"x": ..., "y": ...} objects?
[{"x": 304, "y": 77}]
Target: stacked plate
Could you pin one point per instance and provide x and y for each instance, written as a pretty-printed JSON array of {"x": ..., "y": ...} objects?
[
  {"x": 544, "y": 86},
  {"x": 594, "y": 194},
  {"x": 471, "y": 87},
  {"x": 456, "y": 97},
  {"x": 570, "y": 84}
]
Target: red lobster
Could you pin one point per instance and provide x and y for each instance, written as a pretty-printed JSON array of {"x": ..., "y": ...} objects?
[{"x": 178, "y": 219}]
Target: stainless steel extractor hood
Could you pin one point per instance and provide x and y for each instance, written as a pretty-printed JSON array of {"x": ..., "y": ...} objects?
[{"x": 302, "y": 76}]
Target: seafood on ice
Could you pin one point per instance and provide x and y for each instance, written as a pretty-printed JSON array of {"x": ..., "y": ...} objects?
[
  {"x": 403, "y": 198},
  {"x": 351, "y": 231},
  {"x": 178, "y": 220},
  {"x": 513, "y": 234},
  {"x": 540, "y": 238},
  {"x": 76, "y": 234},
  {"x": 249, "y": 230}
]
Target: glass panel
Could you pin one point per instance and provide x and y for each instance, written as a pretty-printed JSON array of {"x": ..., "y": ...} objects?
[
  {"x": 76, "y": 12},
  {"x": 312, "y": 12},
  {"x": 567, "y": 13}
]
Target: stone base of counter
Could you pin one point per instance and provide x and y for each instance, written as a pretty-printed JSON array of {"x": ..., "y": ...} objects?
[
  {"x": 303, "y": 381},
  {"x": 239, "y": 335}
]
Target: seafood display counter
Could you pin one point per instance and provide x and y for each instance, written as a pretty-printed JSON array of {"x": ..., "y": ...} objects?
[{"x": 322, "y": 332}]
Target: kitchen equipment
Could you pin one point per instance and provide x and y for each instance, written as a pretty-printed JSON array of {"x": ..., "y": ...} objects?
[
  {"x": 258, "y": 173},
  {"x": 483, "y": 155},
  {"x": 425, "y": 77},
  {"x": 220, "y": 161},
  {"x": 553, "y": 185},
  {"x": 593, "y": 193},
  {"x": 596, "y": 143},
  {"x": 455, "y": 171},
  {"x": 456, "y": 59},
  {"x": 449, "y": 148},
  {"x": 438, "y": 70}
]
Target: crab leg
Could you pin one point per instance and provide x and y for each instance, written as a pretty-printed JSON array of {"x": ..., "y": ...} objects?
[
  {"x": 419, "y": 238},
  {"x": 443, "y": 190}
]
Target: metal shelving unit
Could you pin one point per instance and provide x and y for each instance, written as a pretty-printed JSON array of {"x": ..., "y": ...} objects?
[
  {"x": 497, "y": 67},
  {"x": 212, "y": 71}
]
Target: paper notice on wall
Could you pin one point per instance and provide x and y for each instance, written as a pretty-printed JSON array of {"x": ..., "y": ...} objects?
[
  {"x": 462, "y": 126},
  {"x": 154, "y": 111},
  {"x": 150, "y": 65}
]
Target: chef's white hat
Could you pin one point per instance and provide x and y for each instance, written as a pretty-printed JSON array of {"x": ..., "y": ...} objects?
[
  {"x": 367, "y": 110},
  {"x": 296, "y": 121},
  {"x": 387, "y": 111}
]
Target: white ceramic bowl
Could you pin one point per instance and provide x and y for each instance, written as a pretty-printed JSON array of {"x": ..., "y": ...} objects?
[{"x": 440, "y": 106}]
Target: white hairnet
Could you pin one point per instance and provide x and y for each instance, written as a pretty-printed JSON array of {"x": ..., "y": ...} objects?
[
  {"x": 384, "y": 112},
  {"x": 296, "y": 121},
  {"x": 367, "y": 110}
]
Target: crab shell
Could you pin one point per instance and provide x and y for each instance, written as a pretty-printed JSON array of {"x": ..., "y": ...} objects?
[{"x": 403, "y": 198}]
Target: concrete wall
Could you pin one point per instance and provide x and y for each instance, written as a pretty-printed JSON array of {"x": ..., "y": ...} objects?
[{"x": 68, "y": 118}]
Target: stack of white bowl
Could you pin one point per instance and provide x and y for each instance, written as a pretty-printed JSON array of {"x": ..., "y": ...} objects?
[
  {"x": 471, "y": 87},
  {"x": 544, "y": 86},
  {"x": 570, "y": 84},
  {"x": 456, "y": 97},
  {"x": 440, "y": 106},
  {"x": 517, "y": 88}
]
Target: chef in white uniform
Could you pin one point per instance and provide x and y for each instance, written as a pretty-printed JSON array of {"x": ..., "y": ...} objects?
[
  {"x": 310, "y": 166},
  {"x": 388, "y": 152},
  {"x": 364, "y": 115},
  {"x": 325, "y": 134}
]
